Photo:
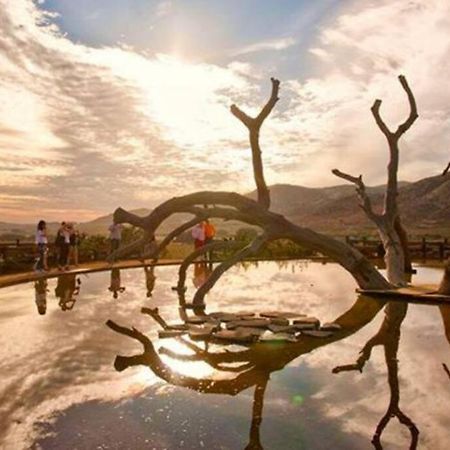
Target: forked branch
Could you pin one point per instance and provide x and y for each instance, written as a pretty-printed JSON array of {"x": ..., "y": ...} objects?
[
  {"x": 403, "y": 126},
  {"x": 253, "y": 125},
  {"x": 365, "y": 202}
]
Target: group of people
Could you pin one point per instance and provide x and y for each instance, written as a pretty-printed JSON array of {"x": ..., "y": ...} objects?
[{"x": 66, "y": 242}]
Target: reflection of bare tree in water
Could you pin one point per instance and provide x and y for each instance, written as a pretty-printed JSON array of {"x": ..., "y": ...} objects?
[
  {"x": 388, "y": 336},
  {"x": 250, "y": 367},
  {"x": 445, "y": 314}
]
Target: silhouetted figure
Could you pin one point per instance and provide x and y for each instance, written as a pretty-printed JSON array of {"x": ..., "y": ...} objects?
[
  {"x": 74, "y": 242},
  {"x": 41, "y": 241},
  {"x": 115, "y": 285},
  {"x": 62, "y": 243},
  {"x": 115, "y": 235}
]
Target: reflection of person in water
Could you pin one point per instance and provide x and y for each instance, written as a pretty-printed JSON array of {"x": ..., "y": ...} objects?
[
  {"x": 201, "y": 273},
  {"x": 40, "y": 288},
  {"x": 115, "y": 286},
  {"x": 150, "y": 279},
  {"x": 67, "y": 288}
]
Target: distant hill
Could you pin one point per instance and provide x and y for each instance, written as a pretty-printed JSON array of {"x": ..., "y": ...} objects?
[{"x": 424, "y": 205}]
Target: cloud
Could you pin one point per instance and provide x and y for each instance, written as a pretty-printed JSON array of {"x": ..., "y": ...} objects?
[
  {"x": 273, "y": 44},
  {"x": 88, "y": 129},
  {"x": 163, "y": 8}
]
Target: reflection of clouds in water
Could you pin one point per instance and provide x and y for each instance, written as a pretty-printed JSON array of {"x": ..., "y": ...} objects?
[
  {"x": 68, "y": 358},
  {"x": 424, "y": 390}
]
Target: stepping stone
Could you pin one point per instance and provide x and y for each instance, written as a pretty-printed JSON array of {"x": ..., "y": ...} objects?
[
  {"x": 318, "y": 333},
  {"x": 235, "y": 336},
  {"x": 200, "y": 334},
  {"x": 223, "y": 317},
  {"x": 204, "y": 327},
  {"x": 268, "y": 336},
  {"x": 196, "y": 319},
  {"x": 254, "y": 323},
  {"x": 279, "y": 321},
  {"x": 331, "y": 326},
  {"x": 253, "y": 331},
  {"x": 304, "y": 326},
  {"x": 307, "y": 320},
  {"x": 177, "y": 326},
  {"x": 282, "y": 314},
  {"x": 165, "y": 334},
  {"x": 282, "y": 328},
  {"x": 244, "y": 314}
]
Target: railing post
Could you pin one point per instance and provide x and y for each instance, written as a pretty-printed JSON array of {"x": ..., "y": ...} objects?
[{"x": 424, "y": 248}]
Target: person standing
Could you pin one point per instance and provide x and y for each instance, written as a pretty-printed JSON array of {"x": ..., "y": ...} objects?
[
  {"x": 74, "y": 243},
  {"x": 198, "y": 233},
  {"x": 210, "y": 231},
  {"x": 62, "y": 242},
  {"x": 42, "y": 246},
  {"x": 115, "y": 235}
]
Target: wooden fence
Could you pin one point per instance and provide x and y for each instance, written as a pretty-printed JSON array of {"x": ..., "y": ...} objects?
[{"x": 418, "y": 249}]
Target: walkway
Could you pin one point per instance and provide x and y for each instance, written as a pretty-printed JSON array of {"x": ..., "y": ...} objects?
[
  {"x": 95, "y": 266},
  {"x": 422, "y": 293}
]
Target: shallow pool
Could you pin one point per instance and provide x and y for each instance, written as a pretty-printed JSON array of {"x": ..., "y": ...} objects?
[{"x": 59, "y": 388}]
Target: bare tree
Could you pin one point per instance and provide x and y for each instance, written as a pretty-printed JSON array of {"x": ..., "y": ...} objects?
[
  {"x": 232, "y": 206},
  {"x": 391, "y": 231},
  {"x": 446, "y": 169}
]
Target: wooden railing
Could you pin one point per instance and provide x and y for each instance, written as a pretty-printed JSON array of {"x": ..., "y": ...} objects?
[{"x": 425, "y": 248}]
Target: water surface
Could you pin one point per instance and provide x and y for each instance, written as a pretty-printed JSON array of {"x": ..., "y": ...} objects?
[{"x": 59, "y": 388}]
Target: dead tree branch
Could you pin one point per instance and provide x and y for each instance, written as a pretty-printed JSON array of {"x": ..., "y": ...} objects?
[
  {"x": 389, "y": 337},
  {"x": 446, "y": 170},
  {"x": 238, "y": 207},
  {"x": 392, "y": 233},
  {"x": 253, "y": 125},
  {"x": 250, "y": 249},
  {"x": 196, "y": 254},
  {"x": 365, "y": 202}
]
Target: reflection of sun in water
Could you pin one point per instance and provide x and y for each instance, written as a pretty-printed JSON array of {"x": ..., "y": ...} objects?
[{"x": 195, "y": 369}]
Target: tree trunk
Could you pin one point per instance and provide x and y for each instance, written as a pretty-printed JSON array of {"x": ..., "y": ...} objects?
[
  {"x": 394, "y": 257},
  {"x": 444, "y": 287}
]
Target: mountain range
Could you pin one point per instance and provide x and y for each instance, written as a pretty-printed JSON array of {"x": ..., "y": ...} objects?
[{"x": 424, "y": 206}]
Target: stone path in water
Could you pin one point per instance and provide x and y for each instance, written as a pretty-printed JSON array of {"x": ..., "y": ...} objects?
[{"x": 248, "y": 328}]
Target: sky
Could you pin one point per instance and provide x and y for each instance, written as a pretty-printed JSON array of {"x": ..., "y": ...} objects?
[{"x": 107, "y": 103}]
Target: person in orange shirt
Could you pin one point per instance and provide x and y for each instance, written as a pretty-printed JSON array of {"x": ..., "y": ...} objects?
[{"x": 210, "y": 231}]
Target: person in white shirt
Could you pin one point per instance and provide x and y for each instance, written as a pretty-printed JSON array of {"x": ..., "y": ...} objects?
[
  {"x": 198, "y": 233},
  {"x": 115, "y": 235},
  {"x": 42, "y": 246}
]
